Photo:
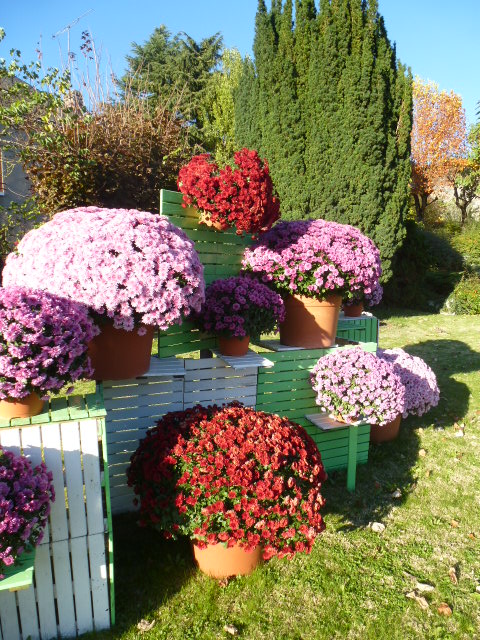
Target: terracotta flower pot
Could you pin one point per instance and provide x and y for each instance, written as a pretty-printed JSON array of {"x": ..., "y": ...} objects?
[
  {"x": 26, "y": 407},
  {"x": 117, "y": 354},
  {"x": 385, "y": 433},
  {"x": 220, "y": 561},
  {"x": 309, "y": 322},
  {"x": 233, "y": 346},
  {"x": 353, "y": 310}
]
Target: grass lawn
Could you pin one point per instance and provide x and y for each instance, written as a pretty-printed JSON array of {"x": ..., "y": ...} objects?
[{"x": 355, "y": 582}]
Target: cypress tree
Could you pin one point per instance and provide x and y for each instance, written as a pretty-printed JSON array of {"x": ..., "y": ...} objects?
[{"x": 334, "y": 115}]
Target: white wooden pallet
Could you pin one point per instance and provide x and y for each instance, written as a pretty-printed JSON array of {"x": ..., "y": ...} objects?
[
  {"x": 69, "y": 595},
  {"x": 250, "y": 359}
]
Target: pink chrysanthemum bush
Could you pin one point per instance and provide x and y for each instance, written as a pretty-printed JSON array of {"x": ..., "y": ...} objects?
[
  {"x": 317, "y": 257},
  {"x": 240, "y": 306},
  {"x": 43, "y": 342},
  {"x": 233, "y": 475},
  {"x": 132, "y": 266},
  {"x": 356, "y": 385},
  {"x": 241, "y": 196},
  {"x": 25, "y": 496},
  {"x": 421, "y": 387}
]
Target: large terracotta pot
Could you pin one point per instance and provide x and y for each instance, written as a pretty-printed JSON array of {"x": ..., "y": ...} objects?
[
  {"x": 117, "y": 354},
  {"x": 386, "y": 433},
  {"x": 233, "y": 346},
  {"x": 27, "y": 407},
  {"x": 353, "y": 310},
  {"x": 309, "y": 322},
  {"x": 220, "y": 561}
]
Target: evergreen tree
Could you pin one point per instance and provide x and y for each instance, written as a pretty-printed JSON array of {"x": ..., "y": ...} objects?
[{"x": 334, "y": 115}]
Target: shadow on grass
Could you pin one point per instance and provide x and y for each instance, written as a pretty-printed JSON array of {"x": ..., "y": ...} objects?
[
  {"x": 447, "y": 358},
  {"x": 389, "y": 467},
  {"x": 149, "y": 570}
]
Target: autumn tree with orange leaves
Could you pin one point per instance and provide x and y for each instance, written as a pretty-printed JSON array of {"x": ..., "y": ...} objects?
[{"x": 439, "y": 143}]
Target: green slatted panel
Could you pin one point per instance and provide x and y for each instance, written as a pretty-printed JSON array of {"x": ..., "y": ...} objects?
[
  {"x": 220, "y": 253},
  {"x": 363, "y": 329},
  {"x": 285, "y": 389},
  {"x": 20, "y": 575}
]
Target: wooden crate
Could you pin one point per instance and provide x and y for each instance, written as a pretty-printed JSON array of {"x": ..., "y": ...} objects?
[
  {"x": 286, "y": 390},
  {"x": 361, "y": 329},
  {"x": 135, "y": 406},
  {"x": 73, "y": 575},
  {"x": 221, "y": 255}
]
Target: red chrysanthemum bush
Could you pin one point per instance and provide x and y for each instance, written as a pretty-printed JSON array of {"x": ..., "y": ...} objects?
[
  {"x": 241, "y": 196},
  {"x": 233, "y": 475}
]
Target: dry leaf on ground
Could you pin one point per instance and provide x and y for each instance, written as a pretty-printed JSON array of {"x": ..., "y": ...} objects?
[
  {"x": 143, "y": 626},
  {"x": 423, "y": 587},
  {"x": 444, "y": 609},
  {"x": 231, "y": 629},
  {"x": 420, "y": 600},
  {"x": 452, "y": 572}
]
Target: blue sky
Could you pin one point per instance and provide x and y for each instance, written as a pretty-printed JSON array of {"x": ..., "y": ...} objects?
[{"x": 438, "y": 39}]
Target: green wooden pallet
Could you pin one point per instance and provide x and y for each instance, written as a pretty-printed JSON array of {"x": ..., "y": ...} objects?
[
  {"x": 221, "y": 255},
  {"x": 362, "y": 329}
]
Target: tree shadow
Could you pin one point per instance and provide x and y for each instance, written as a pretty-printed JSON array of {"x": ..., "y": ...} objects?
[{"x": 148, "y": 569}]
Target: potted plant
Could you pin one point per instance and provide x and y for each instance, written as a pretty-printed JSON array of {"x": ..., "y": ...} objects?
[
  {"x": 421, "y": 387},
  {"x": 237, "y": 309},
  {"x": 241, "y": 196},
  {"x": 235, "y": 480},
  {"x": 133, "y": 269},
  {"x": 25, "y": 496},
  {"x": 313, "y": 264},
  {"x": 43, "y": 346},
  {"x": 354, "y": 385}
]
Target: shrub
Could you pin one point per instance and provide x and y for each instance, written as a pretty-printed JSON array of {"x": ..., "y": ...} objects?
[
  {"x": 232, "y": 475},
  {"x": 240, "y": 306},
  {"x": 468, "y": 244},
  {"x": 241, "y": 197},
  {"x": 132, "y": 266},
  {"x": 465, "y": 298},
  {"x": 25, "y": 496},
  {"x": 43, "y": 342},
  {"x": 316, "y": 257},
  {"x": 356, "y": 385}
]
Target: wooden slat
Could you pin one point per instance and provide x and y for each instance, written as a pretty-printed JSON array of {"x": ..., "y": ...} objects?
[
  {"x": 53, "y": 459},
  {"x": 45, "y": 593},
  {"x": 81, "y": 585},
  {"x": 73, "y": 478},
  {"x": 63, "y": 588},
  {"x": 91, "y": 473},
  {"x": 9, "y": 616},
  {"x": 99, "y": 582}
]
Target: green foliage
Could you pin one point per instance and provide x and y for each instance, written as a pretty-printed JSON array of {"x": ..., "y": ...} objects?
[
  {"x": 219, "y": 117},
  {"x": 468, "y": 244},
  {"x": 465, "y": 299},
  {"x": 175, "y": 71},
  {"x": 117, "y": 153},
  {"x": 15, "y": 220},
  {"x": 333, "y": 109}
]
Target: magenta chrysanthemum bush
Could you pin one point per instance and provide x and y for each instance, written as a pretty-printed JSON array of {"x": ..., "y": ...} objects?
[
  {"x": 357, "y": 385},
  {"x": 25, "y": 497},
  {"x": 233, "y": 475},
  {"x": 421, "y": 387},
  {"x": 317, "y": 257},
  {"x": 43, "y": 342},
  {"x": 240, "y": 306},
  {"x": 132, "y": 266}
]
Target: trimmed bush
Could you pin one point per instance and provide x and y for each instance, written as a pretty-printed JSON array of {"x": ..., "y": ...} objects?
[{"x": 465, "y": 299}]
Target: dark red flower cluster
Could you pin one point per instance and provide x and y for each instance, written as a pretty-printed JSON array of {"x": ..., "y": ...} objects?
[
  {"x": 231, "y": 474},
  {"x": 241, "y": 197}
]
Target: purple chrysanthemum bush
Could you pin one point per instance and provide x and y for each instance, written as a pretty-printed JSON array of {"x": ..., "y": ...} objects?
[
  {"x": 356, "y": 385},
  {"x": 131, "y": 266},
  {"x": 25, "y": 496},
  {"x": 43, "y": 342},
  {"x": 240, "y": 306},
  {"x": 421, "y": 387},
  {"x": 317, "y": 257}
]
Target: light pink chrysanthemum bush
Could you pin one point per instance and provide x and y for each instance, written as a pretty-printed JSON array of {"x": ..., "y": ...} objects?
[
  {"x": 421, "y": 387},
  {"x": 317, "y": 257},
  {"x": 357, "y": 385},
  {"x": 132, "y": 266}
]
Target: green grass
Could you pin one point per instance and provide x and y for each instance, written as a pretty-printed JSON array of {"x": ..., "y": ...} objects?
[{"x": 354, "y": 583}]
